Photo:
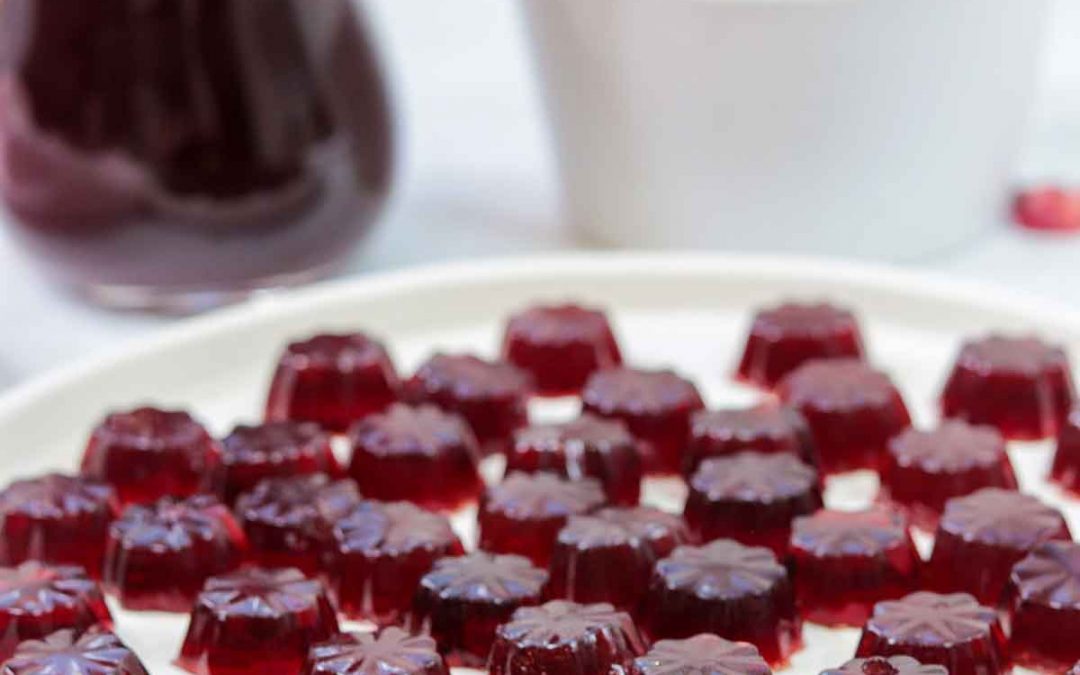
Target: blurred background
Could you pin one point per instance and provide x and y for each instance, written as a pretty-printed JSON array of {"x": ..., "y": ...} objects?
[{"x": 489, "y": 99}]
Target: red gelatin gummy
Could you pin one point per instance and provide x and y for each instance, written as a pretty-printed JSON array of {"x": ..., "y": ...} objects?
[
  {"x": 391, "y": 651},
  {"x": 1066, "y": 468},
  {"x": 67, "y": 652},
  {"x": 704, "y": 654},
  {"x": 1044, "y": 606},
  {"x": 1049, "y": 209},
  {"x": 275, "y": 450},
  {"x": 765, "y": 428},
  {"x": 887, "y": 665}
]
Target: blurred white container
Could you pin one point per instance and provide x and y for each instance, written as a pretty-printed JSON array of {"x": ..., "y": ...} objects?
[{"x": 882, "y": 128}]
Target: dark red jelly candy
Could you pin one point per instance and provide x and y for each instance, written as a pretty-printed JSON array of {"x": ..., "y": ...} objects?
[
  {"x": 609, "y": 556},
  {"x": 655, "y": 405},
  {"x": 380, "y": 551},
  {"x": 954, "y": 631},
  {"x": 158, "y": 556},
  {"x": 256, "y": 621},
  {"x": 845, "y": 561},
  {"x": 462, "y": 600},
  {"x": 38, "y": 599},
  {"x": 852, "y": 409},
  {"x": 148, "y": 453},
  {"x": 332, "y": 380},
  {"x": 887, "y": 665},
  {"x": 566, "y": 638},
  {"x": 67, "y": 652},
  {"x": 728, "y": 589},
  {"x": 588, "y": 447},
  {"x": 703, "y": 654},
  {"x": 1049, "y": 209},
  {"x": 57, "y": 519},
  {"x": 524, "y": 513},
  {"x": 1022, "y": 386},
  {"x": 1044, "y": 606},
  {"x": 1066, "y": 468},
  {"x": 752, "y": 498},
  {"x": 925, "y": 469},
  {"x": 275, "y": 450},
  {"x": 391, "y": 651},
  {"x": 289, "y": 521},
  {"x": 561, "y": 345},
  {"x": 419, "y": 454},
  {"x": 783, "y": 338},
  {"x": 766, "y": 428},
  {"x": 491, "y": 396},
  {"x": 981, "y": 536}
]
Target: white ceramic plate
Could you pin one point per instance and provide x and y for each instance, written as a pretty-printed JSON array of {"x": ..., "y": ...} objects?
[{"x": 685, "y": 311}]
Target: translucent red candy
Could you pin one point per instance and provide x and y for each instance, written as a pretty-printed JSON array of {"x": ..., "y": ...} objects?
[
  {"x": 256, "y": 621},
  {"x": 887, "y": 665},
  {"x": 67, "y": 652},
  {"x": 766, "y": 428},
  {"x": 391, "y": 651},
  {"x": 785, "y": 337},
  {"x": 981, "y": 536},
  {"x": 1066, "y": 467},
  {"x": 274, "y": 450},
  {"x": 588, "y": 447},
  {"x": 491, "y": 396},
  {"x": 655, "y": 405},
  {"x": 703, "y": 654},
  {"x": 38, "y": 599},
  {"x": 752, "y": 498},
  {"x": 566, "y": 638},
  {"x": 462, "y": 600},
  {"x": 158, "y": 556},
  {"x": 852, "y": 409},
  {"x": 332, "y": 380},
  {"x": 609, "y": 556},
  {"x": 380, "y": 552},
  {"x": 845, "y": 561},
  {"x": 56, "y": 519},
  {"x": 925, "y": 469},
  {"x": 1044, "y": 606},
  {"x": 524, "y": 513},
  {"x": 420, "y": 454},
  {"x": 148, "y": 453},
  {"x": 1022, "y": 386},
  {"x": 1049, "y": 209},
  {"x": 289, "y": 521},
  {"x": 953, "y": 631},
  {"x": 728, "y": 589},
  {"x": 561, "y": 345}
]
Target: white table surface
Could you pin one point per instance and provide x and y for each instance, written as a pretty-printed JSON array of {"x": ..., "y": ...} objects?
[{"x": 477, "y": 178}]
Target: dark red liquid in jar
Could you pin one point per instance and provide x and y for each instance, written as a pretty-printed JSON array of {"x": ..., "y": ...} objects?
[{"x": 196, "y": 145}]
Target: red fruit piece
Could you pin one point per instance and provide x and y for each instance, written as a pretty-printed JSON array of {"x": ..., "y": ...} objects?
[
  {"x": 981, "y": 536},
  {"x": 57, "y": 519},
  {"x": 609, "y": 556},
  {"x": 765, "y": 428},
  {"x": 953, "y": 631},
  {"x": 380, "y": 552},
  {"x": 925, "y": 469},
  {"x": 419, "y": 454},
  {"x": 256, "y": 621},
  {"x": 158, "y": 556},
  {"x": 1066, "y": 468},
  {"x": 1044, "y": 606},
  {"x": 332, "y": 380},
  {"x": 148, "y": 453},
  {"x": 1051, "y": 209},
  {"x": 847, "y": 561},
  {"x": 785, "y": 337},
  {"x": 524, "y": 513},
  {"x": 289, "y": 521},
  {"x": 38, "y": 599},
  {"x": 566, "y": 638},
  {"x": 727, "y": 589},
  {"x": 67, "y": 652},
  {"x": 656, "y": 406},
  {"x": 852, "y": 409},
  {"x": 462, "y": 600},
  {"x": 751, "y": 498},
  {"x": 561, "y": 345},
  {"x": 491, "y": 396},
  {"x": 701, "y": 655},
  {"x": 887, "y": 665},
  {"x": 275, "y": 450},
  {"x": 1021, "y": 385},
  {"x": 391, "y": 651},
  {"x": 588, "y": 447}
]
